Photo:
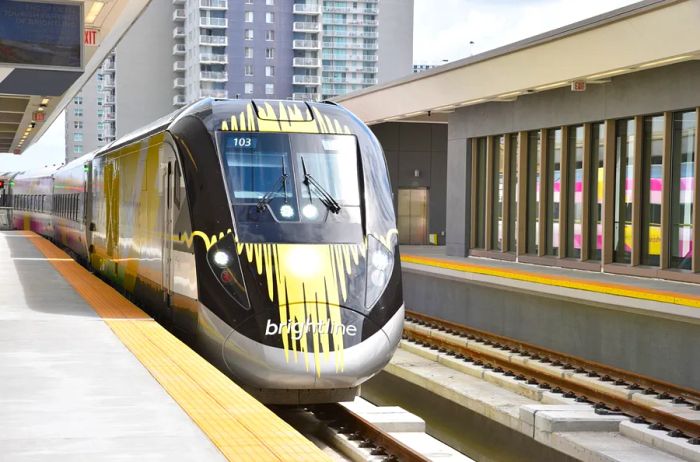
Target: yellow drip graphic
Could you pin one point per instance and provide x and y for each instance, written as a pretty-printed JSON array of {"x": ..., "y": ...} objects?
[
  {"x": 311, "y": 284},
  {"x": 287, "y": 117}
]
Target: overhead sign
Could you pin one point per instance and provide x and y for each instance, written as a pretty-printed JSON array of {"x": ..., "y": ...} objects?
[
  {"x": 38, "y": 116},
  {"x": 90, "y": 37},
  {"x": 41, "y": 34},
  {"x": 578, "y": 85}
]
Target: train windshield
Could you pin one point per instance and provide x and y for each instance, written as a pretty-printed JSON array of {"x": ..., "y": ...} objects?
[{"x": 291, "y": 177}]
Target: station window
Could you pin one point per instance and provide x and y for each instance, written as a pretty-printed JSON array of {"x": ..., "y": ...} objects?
[
  {"x": 534, "y": 146},
  {"x": 596, "y": 179},
  {"x": 480, "y": 192},
  {"x": 683, "y": 139},
  {"x": 497, "y": 175},
  {"x": 553, "y": 189},
  {"x": 574, "y": 192},
  {"x": 513, "y": 157},
  {"x": 624, "y": 180},
  {"x": 652, "y": 187}
]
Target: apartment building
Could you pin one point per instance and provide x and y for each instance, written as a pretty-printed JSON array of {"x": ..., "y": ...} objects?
[{"x": 181, "y": 50}]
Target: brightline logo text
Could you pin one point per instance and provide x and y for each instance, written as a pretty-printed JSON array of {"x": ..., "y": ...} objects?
[{"x": 298, "y": 329}]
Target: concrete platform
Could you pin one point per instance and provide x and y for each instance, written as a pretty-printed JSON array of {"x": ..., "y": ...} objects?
[
  {"x": 573, "y": 429},
  {"x": 578, "y": 312},
  {"x": 71, "y": 390}
]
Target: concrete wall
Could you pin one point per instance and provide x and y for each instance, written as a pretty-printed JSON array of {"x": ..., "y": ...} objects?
[
  {"x": 144, "y": 82},
  {"x": 649, "y": 345},
  {"x": 667, "y": 88},
  {"x": 417, "y": 146},
  {"x": 395, "y": 39}
]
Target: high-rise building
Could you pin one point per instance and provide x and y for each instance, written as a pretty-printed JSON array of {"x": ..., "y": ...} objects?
[
  {"x": 90, "y": 116},
  {"x": 181, "y": 50}
]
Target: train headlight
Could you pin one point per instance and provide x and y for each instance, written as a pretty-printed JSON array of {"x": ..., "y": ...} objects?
[
  {"x": 310, "y": 212},
  {"x": 287, "y": 211},
  {"x": 379, "y": 268},
  {"x": 221, "y": 258}
]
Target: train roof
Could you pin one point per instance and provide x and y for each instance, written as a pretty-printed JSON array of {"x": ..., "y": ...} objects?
[{"x": 205, "y": 107}]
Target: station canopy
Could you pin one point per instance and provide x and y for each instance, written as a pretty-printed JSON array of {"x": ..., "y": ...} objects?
[
  {"x": 640, "y": 36},
  {"x": 47, "y": 52}
]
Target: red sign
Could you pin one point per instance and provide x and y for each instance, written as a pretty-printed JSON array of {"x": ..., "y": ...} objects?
[
  {"x": 578, "y": 85},
  {"x": 90, "y": 37},
  {"x": 17, "y": 151},
  {"x": 38, "y": 116}
]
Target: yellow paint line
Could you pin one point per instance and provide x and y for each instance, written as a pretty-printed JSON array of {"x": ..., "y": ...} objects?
[
  {"x": 561, "y": 281},
  {"x": 241, "y": 427}
]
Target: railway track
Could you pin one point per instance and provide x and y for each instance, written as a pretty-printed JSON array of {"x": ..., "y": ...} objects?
[
  {"x": 608, "y": 389},
  {"x": 369, "y": 436}
]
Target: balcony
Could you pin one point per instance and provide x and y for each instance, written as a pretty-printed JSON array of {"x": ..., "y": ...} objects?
[
  {"x": 306, "y": 62},
  {"x": 351, "y": 46},
  {"x": 213, "y": 76},
  {"x": 179, "y": 15},
  {"x": 108, "y": 66},
  {"x": 366, "y": 70},
  {"x": 212, "y": 58},
  {"x": 109, "y": 100},
  {"x": 306, "y": 80},
  {"x": 108, "y": 116},
  {"x": 179, "y": 32},
  {"x": 212, "y": 93},
  {"x": 306, "y": 45},
  {"x": 179, "y": 100},
  {"x": 179, "y": 66},
  {"x": 107, "y": 83},
  {"x": 179, "y": 49},
  {"x": 306, "y": 96},
  {"x": 207, "y": 21},
  {"x": 179, "y": 83},
  {"x": 351, "y": 33},
  {"x": 213, "y": 4},
  {"x": 306, "y": 27},
  {"x": 213, "y": 40},
  {"x": 350, "y": 80},
  {"x": 346, "y": 10},
  {"x": 351, "y": 57},
  {"x": 311, "y": 9},
  {"x": 351, "y": 22}
]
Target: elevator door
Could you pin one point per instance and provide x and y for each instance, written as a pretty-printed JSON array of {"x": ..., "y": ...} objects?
[{"x": 413, "y": 216}]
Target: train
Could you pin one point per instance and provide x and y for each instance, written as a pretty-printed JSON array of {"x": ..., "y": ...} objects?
[{"x": 262, "y": 232}]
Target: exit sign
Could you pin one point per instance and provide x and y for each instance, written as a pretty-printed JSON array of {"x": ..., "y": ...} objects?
[
  {"x": 90, "y": 37},
  {"x": 578, "y": 85}
]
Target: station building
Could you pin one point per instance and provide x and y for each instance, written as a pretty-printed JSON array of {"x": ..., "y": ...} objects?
[{"x": 576, "y": 148}]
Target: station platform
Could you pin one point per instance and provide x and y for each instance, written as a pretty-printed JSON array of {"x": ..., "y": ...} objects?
[
  {"x": 86, "y": 375},
  {"x": 649, "y": 326}
]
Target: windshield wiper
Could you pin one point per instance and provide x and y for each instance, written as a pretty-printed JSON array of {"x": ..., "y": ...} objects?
[
  {"x": 325, "y": 197},
  {"x": 280, "y": 183}
]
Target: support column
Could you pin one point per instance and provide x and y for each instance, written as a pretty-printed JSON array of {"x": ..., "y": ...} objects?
[{"x": 459, "y": 174}]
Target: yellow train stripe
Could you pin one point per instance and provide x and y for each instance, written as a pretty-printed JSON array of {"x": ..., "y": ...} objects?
[
  {"x": 560, "y": 281},
  {"x": 242, "y": 428}
]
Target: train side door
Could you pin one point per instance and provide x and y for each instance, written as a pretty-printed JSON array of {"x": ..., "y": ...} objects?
[{"x": 168, "y": 182}]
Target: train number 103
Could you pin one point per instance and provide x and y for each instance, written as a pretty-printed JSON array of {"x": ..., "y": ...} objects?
[{"x": 243, "y": 142}]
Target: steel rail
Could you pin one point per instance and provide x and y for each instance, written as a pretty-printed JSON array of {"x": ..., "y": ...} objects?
[
  {"x": 538, "y": 377},
  {"x": 607, "y": 373},
  {"x": 372, "y": 432}
]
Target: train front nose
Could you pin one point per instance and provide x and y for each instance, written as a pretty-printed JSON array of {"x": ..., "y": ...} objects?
[{"x": 312, "y": 354}]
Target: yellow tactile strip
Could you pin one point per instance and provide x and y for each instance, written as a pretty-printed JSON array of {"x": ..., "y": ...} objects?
[
  {"x": 242, "y": 428},
  {"x": 560, "y": 281}
]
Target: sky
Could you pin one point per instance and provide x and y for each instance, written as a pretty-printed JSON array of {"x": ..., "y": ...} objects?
[
  {"x": 444, "y": 28},
  {"x": 442, "y": 31}
]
